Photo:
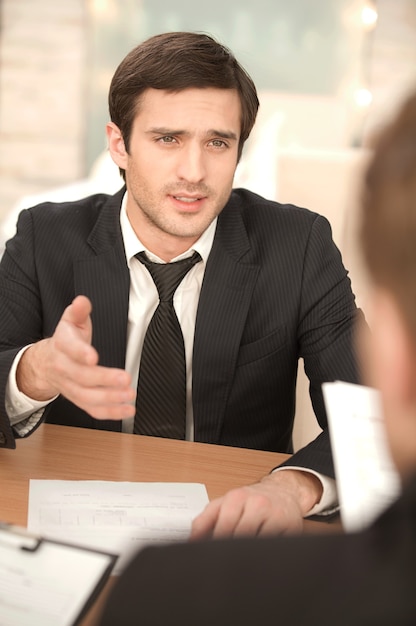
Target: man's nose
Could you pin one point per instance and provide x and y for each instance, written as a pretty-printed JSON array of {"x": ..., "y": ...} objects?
[{"x": 191, "y": 165}]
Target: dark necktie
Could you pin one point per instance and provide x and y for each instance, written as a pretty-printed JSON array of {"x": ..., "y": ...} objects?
[{"x": 161, "y": 387}]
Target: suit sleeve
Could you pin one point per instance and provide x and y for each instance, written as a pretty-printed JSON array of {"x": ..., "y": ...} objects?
[
  {"x": 20, "y": 309},
  {"x": 327, "y": 320}
]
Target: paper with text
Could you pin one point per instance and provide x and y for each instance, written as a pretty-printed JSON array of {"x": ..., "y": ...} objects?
[
  {"x": 367, "y": 479},
  {"x": 117, "y": 516},
  {"x": 32, "y": 592}
]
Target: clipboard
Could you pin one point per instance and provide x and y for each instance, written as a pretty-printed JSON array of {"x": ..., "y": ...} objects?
[{"x": 44, "y": 582}]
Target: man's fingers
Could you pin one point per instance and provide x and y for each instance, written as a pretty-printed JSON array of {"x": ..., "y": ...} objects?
[
  {"x": 204, "y": 523},
  {"x": 255, "y": 510},
  {"x": 104, "y": 403},
  {"x": 104, "y": 393},
  {"x": 259, "y": 509},
  {"x": 273, "y": 525},
  {"x": 230, "y": 514},
  {"x": 221, "y": 517},
  {"x": 71, "y": 347},
  {"x": 84, "y": 375},
  {"x": 78, "y": 311},
  {"x": 72, "y": 336},
  {"x": 114, "y": 385}
]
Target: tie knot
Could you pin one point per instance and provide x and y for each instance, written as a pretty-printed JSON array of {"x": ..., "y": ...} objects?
[{"x": 167, "y": 276}]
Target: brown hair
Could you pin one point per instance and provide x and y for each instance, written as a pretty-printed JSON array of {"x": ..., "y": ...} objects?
[
  {"x": 388, "y": 219},
  {"x": 173, "y": 62}
]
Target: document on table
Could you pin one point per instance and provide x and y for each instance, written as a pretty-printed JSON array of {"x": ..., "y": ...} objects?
[
  {"x": 44, "y": 583},
  {"x": 120, "y": 517},
  {"x": 367, "y": 480}
]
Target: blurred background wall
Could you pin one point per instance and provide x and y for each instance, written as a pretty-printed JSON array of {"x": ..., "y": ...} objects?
[
  {"x": 328, "y": 72},
  {"x": 325, "y": 70}
]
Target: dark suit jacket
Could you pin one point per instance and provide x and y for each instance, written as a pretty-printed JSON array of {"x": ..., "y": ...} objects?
[
  {"x": 274, "y": 290},
  {"x": 362, "y": 579}
]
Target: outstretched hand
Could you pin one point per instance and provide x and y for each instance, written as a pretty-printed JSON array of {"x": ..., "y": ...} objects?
[
  {"x": 275, "y": 505},
  {"x": 67, "y": 364}
]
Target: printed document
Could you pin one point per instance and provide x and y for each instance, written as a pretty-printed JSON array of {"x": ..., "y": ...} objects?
[{"x": 120, "y": 517}]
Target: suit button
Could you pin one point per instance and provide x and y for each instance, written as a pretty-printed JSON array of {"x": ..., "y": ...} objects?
[{"x": 2, "y": 438}]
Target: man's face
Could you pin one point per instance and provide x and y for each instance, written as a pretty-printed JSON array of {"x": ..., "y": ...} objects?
[{"x": 180, "y": 167}]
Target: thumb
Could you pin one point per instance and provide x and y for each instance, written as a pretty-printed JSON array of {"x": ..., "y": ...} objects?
[{"x": 78, "y": 312}]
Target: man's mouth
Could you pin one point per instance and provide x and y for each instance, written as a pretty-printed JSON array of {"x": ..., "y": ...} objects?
[{"x": 187, "y": 199}]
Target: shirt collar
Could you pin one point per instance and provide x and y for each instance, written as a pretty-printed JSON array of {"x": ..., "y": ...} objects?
[{"x": 133, "y": 245}]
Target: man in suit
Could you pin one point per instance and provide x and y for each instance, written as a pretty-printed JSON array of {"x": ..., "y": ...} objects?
[
  {"x": 360, "y": 579},
  {"x": 269, "y": 288}
]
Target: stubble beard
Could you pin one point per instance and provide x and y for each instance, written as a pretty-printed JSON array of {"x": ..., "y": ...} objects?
[{"x": 185, "y": 225}]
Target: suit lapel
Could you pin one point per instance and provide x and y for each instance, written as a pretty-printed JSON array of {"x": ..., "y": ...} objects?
[
  {"x": 104, "y": 278},
  {"x": 223, "y": 306}
]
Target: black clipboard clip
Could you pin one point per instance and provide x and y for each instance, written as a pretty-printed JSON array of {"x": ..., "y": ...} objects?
[{"x": 17, "y": 537}]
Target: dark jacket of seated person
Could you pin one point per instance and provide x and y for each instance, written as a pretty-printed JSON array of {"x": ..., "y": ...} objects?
[{"x": 366, "y": 578}]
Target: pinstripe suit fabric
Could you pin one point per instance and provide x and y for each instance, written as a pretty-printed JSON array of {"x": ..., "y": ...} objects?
[{"x": 274, "y": 290}]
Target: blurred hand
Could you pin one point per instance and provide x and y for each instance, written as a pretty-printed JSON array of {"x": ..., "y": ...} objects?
[
  {"x": 67, "y": 364},
  {"x": 275, "y": 505}
]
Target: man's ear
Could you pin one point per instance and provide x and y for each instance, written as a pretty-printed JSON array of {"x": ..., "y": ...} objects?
[{"x": 116, "y": 145}]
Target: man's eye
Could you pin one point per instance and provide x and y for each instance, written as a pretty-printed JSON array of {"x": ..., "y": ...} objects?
[
  {"x": 167, "y": 139},
  {"x": 218, "y": 143}
]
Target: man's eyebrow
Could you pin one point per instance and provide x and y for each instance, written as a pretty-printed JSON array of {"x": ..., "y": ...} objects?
[
  {"x": 224, "y": 134},
  {"x": 212, "y": 132},
  {"x": 162, "y": 130}
]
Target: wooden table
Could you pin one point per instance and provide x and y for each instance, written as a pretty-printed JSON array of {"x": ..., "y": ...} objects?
[{"x": 65, "y": 453}]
